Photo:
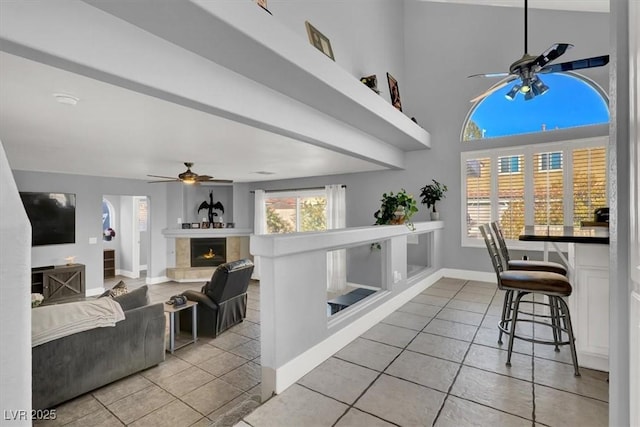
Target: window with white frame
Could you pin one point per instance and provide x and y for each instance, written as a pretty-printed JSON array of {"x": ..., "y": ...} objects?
[
  {"x": 542, "y": 192},
  {"x": 294, "y": 211}
]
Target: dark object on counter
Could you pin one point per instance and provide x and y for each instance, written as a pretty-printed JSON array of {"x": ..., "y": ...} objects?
[{"x": 601, "y": 215}]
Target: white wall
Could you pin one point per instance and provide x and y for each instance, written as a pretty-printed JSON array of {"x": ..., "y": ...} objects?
[
  {"x": 89, "y": 191},
  {"x": 15, "y": 294},
  {"x": 444, "y": 43},
  {"x": 366, "y": 35}
]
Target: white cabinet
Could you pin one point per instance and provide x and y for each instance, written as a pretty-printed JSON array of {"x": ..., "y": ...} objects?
[{"x": 589, "y": 303}]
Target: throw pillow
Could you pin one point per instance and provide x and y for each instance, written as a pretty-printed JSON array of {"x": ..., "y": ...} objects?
[
  {"x": 134, "y": 299},
  {"x": 119, "y": 289}
]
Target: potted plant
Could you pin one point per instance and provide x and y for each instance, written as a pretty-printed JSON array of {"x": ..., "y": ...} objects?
[
  {"x": 396, "y": 209},
  {"x": 432, "y": 193}
]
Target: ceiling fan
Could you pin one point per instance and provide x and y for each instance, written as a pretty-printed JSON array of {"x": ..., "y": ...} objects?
[
  {"x": 189, "y": 177},
  {"x": 528, "y": 67}
]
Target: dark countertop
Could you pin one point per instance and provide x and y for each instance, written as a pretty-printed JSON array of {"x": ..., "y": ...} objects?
[{"x": 558, "y": 233}]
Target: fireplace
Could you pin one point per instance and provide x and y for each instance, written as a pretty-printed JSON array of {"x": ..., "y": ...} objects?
[{"x": 208, "y": 252}]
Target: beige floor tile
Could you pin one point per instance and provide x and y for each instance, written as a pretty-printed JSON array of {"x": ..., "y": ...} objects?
[
  {"x": 75, "y": 409},
  {"x": 480, "y": 290},
  {"x": 424, "y": 310},
  {"x": 406, "y": 320},
  {"x": 175, "y": 414},
  {"x": 474, "y": 297},
  {"x": 497, "y": 391},
  {"x": 476, "y": 307},
  {"x": 253, "y": 315},
  {"x": 228, "y": 340},
  {"x": 489, "y": 337},
  {"x": 558, "y": 375},
  {"x": 490, "y": 322},
  {"x": 425, "y": 370},
  {"x": 297, "y": 406},
  {"x": 211, "y": 396},
  {"x": 479, "y": 284},
  {"x": 389, "y": 334},
  {"x": 356, "y": 418},
  {"x": 451, "y": 329},
  {"x": 198, "y": 353},
  {"x": 222, "y": 363},
  {"x": 247, "y": 329},
  {"x": 249, "y": 350},
  {"x": 139, "y": 404},
  {"x": 559, "y": 408},
  {"x": 548, "y": 352},
  {"x": 466, "y": 317},
  {"x": 244, "y": 377},
  {"x": 169, "y": 367},
  {"x": 431, "y": 300},
  {"x": 445, "y": 293},
  {"x": 447, "y": 283},
  {"x": 234, "y": 414},
  {"x": 119, "y": 389},
  {"x": 401, "y": 402},
  {"x": 494, "y": 360},
  {"x": 185, "y": 381},
  {"x": 368, "y": 353},
  {"x": 344, "y": 381},
  {"x": 243, "y": 400},
  {"x": 458, "y": 412},
  {"x": 101, "y": 418},
  {"x": 437, "y": 346}
]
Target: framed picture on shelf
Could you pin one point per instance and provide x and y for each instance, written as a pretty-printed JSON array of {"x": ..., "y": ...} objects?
[
  {"x": 319, "y": 40},
  {"x": 394, "y": 92},
  {"x": 195, "y": 225}
]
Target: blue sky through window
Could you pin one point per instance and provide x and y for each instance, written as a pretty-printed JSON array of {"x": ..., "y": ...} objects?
[{"x": 570, "y": 102}]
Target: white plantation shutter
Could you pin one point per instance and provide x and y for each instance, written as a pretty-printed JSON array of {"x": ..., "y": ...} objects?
[
  {"x": 542, "y": 184},
  {"x": 589, "y": 182}
]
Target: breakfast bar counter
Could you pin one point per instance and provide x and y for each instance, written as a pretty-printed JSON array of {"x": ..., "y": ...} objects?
[{"x": 588, "y": 265}]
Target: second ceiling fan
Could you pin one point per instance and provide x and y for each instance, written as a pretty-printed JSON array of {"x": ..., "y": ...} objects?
[{"x": 528, "y": 68}]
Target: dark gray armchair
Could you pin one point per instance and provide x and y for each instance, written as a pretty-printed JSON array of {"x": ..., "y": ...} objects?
[{"x": 222, "y": 301}]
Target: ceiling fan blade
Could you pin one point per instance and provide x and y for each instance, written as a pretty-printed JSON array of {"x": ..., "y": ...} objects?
[
  {"x": 204, "y": 178},
  {"x": 222, "y": 181},
  {"x": 551, "y": 54},
  {"x": 578, "y": 64},
  {"x": 173, "y": 178},
  {"x": 167, "y": 180},
  {"x": 494, "y": 88},
  {"x": 504, "y": 74}
]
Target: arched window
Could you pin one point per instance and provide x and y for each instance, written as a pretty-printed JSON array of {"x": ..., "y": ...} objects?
[
  {"x": 571, "y": 101},
  {"x": 553, "y": 183}
]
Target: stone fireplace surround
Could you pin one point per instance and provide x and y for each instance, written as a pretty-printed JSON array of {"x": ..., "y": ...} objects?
[{"x": 237, "y": 242}]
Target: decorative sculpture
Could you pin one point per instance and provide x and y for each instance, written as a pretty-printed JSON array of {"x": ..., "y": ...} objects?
[{"x": 210, "y": 206}]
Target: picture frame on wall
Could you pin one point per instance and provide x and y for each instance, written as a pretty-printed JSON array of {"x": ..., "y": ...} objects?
[
  {"x": 263, "y": 4},
  {"x": 319, "y": 40},
  {"x": 394, "y": 92}
]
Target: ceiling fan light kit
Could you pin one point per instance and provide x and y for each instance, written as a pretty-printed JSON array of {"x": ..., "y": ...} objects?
[{"x": 528, "y": 67}]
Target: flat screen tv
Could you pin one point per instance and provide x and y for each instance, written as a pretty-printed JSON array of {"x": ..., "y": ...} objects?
[{"x": 52, "y": 216}]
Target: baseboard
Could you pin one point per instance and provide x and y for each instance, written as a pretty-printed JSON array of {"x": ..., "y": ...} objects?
[
  {"x": 125, "y": 273},
  {"x": 481, "y": 276},
  {"x": 279, "y": 379},
  {"x": 156, "y": 280}
]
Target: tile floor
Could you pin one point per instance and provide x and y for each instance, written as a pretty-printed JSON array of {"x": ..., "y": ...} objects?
[{"x": 435, "y": 361}]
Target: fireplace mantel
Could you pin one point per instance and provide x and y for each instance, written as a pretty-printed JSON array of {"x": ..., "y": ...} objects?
[{"x": 206, "y": 232}]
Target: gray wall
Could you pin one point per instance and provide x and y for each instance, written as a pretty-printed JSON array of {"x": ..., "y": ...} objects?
[
  {"x": 444, "y": 44},
  {"x": 89, "y": 191}
]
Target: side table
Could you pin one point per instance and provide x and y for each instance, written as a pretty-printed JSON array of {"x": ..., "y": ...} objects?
[{"x": 174, "y": 323}]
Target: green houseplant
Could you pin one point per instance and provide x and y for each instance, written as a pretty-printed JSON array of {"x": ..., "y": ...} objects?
[
  {"x": 432, "y": 193},
  {"x": 396, "y": 209}
]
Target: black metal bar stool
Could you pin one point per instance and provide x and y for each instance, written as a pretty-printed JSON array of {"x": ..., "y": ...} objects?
[{"x": 517, "y": 284}]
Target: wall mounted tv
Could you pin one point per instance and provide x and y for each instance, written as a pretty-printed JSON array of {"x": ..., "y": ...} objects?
[{"x": 52, "y": 216}]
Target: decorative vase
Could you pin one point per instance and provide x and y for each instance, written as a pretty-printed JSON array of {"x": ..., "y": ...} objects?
[
  {"x": 399, "y": 216},
  {"x": 435, "y": 216}
]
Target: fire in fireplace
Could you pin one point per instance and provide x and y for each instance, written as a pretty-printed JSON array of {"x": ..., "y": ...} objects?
[{"x": 208, "y": 252}]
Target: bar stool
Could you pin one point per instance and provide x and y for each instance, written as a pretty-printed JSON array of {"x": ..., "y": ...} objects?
[
  {"x": 529, "y": 265},
  {"x": 517, "y": 284}
]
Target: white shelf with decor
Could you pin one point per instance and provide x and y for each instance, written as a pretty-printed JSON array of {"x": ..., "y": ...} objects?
[{"x": 247, "y": 36}]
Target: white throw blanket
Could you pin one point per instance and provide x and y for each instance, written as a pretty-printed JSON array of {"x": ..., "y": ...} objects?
[{"x": 59, "y": 320}]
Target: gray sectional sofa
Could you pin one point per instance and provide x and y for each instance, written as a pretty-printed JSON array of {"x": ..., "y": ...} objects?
[{"x": 76, "y": 364}]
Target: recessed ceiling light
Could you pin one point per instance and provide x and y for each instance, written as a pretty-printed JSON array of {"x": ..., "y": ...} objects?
[
  {"x": 64, "y": 98},
  {"x": 265, "y": 173}
]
